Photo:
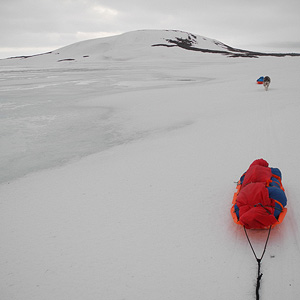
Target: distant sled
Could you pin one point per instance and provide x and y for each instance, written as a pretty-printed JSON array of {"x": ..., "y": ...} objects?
[
  {"x": 260, "y": 80},
  {"x": 259, "y": 201}
]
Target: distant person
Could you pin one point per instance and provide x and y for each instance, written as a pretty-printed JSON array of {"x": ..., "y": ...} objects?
[{"x": 267, "y": 81}]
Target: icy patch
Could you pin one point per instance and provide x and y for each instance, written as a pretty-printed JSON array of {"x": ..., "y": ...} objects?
[{"x": 52, "y": 116}]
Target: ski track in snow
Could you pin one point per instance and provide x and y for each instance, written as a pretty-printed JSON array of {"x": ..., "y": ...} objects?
[{"x": 144, "y": 214}]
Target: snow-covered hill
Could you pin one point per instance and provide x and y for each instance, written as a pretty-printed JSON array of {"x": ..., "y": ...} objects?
[
  {"x": 137, "y": 45},
  {"x": 118, "y": 170}
]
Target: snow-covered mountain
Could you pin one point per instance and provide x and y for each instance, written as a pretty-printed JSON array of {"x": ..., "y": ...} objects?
[{"x": 142, "y": 44}]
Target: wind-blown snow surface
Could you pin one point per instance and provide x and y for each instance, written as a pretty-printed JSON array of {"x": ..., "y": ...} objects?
[{"x": 140, "y": 158}]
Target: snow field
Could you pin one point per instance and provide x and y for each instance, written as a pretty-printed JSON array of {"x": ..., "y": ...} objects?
[{"x": 147, "y": 217}]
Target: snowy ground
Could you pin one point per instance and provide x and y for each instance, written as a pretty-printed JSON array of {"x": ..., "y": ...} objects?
[{"x": 117, "y": 178}]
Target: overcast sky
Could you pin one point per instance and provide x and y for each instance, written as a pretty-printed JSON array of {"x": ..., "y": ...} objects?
[{"x": 36, "y": 26}]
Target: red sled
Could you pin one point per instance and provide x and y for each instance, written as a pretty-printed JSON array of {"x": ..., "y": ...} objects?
[{"x": 259, "y": 201}]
